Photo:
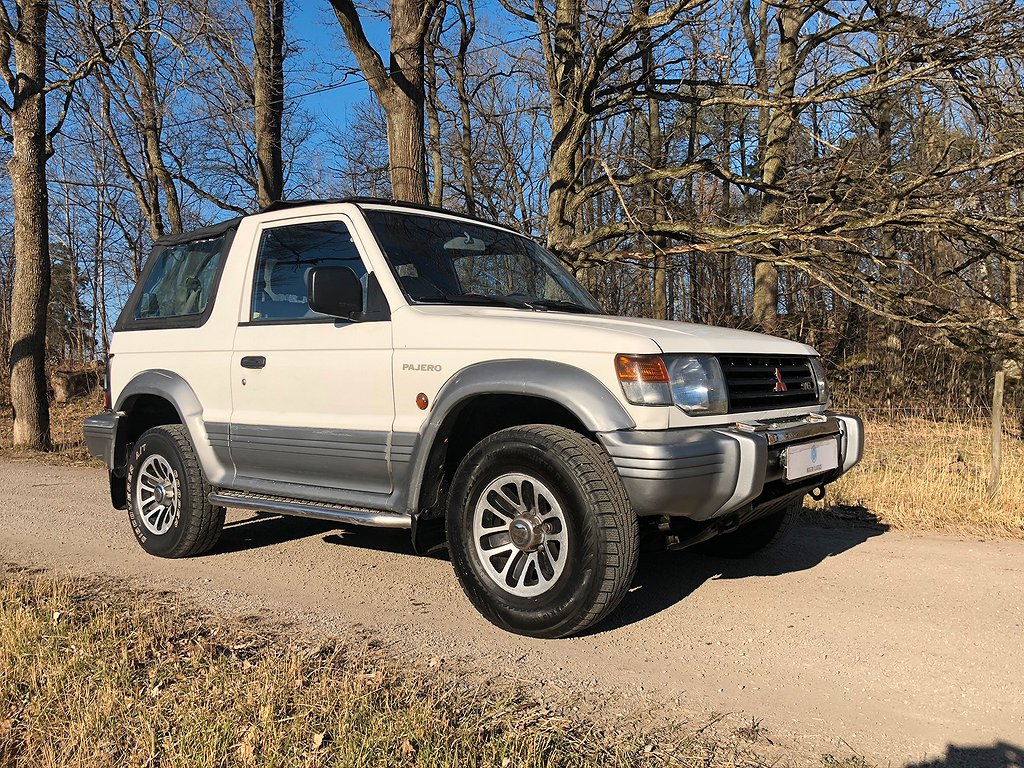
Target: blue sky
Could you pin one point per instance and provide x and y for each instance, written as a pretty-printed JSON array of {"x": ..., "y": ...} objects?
[{"x": 313, "y": 28}]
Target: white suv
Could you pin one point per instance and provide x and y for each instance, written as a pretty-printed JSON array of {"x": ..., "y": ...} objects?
[{"x": 392, "y": 365}]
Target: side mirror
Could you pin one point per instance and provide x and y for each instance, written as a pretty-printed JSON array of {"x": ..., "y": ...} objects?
[{"x": 335, "y": 291}]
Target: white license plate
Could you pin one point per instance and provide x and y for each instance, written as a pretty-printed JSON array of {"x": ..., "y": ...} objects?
[{"x": 811, "y": 458}]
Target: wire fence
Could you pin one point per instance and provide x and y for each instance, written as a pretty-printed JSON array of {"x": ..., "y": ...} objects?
[{"x": 963, "y": 414}]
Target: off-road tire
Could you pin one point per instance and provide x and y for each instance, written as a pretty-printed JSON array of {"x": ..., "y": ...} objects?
[
  {"x": 195, "y": 525},
  {"x": 601, "y": 529},
  {"x": 758, "y": 536}
]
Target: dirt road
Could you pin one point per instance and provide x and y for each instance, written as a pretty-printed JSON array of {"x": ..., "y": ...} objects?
[{"x": 910, "y": 648}]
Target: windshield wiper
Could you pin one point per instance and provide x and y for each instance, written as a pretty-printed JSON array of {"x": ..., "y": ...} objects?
[
  {"x": 565, "y": 306},
  {"x": 488, "y": 300},
  {"x": 516, "y": 301}
]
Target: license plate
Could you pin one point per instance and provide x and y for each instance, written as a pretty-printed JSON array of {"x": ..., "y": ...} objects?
[{"x": 811, "y": 458}]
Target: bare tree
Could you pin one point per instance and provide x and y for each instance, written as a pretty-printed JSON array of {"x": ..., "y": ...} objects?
[
  {"x": 27, "y": 166},
  {"x": 130, "y": 104},
  {"x": 268, "y": 96},
  {"x": 23, "y": 65},
  {"x": 360, "y": 153},
  {"x": 398, "y": 87}
]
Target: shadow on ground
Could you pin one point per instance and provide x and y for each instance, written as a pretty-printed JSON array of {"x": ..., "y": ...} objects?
[
  {"x": 266, "y": 530},
  {"x": 665, "y": 578},
  {"x": 999, "y": 755},
  {"x": 662, "y": 580}
]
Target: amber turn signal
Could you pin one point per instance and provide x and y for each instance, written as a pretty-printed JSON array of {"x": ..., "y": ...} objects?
[
  {"x": 422, "y": 402},
  {"x": 644, "y": 379},
  {"x": 648, "y": 369}
]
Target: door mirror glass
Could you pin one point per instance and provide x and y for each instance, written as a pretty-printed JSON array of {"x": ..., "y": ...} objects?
[{"x": 335, "y": 291}]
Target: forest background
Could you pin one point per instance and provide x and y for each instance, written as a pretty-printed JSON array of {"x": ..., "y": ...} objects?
[{"x": 846, "y": 173}]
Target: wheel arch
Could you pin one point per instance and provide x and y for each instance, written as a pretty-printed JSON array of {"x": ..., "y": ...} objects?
[
  {"x": 158, "y": 397},
  {"x": 485, "y": 398}
]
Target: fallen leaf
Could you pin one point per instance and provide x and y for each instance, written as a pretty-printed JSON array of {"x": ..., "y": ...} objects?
[
  {"x": 247, "y": 749},
  {"x": 408, "y": 749}
]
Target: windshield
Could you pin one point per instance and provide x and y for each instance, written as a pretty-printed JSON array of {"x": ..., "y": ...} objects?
[{"x": 441, "y": 260}]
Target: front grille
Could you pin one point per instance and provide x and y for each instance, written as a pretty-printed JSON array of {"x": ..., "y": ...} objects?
[{"x": 752, "y": 382}]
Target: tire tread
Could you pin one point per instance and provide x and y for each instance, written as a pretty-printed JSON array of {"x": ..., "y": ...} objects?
[
  {"x": 617, "y": 525},
  {"x": 204, "y": 522}
]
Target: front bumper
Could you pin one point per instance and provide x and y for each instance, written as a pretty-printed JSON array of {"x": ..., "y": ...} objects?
[
  {"x": 100, "y": 431},
  {"x": 707, "y": 472}
]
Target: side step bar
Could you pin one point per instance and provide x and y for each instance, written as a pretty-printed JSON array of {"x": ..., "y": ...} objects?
[{"x": 315, "y": 509}]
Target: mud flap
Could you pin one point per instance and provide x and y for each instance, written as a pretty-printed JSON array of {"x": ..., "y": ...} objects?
[
  {"x": 118, "y": 491},
  {"x": 428, "y": 537}
]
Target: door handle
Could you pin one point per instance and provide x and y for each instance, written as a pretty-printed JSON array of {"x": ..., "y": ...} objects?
[{"x": 254, "y": 361}]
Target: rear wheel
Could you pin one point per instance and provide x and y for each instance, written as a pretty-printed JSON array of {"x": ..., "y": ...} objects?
[
  {"x": 757, "y": 536},
  {"x": 167, "y": 496},
  {"x": 541, "y": 534}
]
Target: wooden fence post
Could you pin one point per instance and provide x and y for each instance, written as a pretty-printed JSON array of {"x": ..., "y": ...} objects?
[{"x": 997, "y": 433}]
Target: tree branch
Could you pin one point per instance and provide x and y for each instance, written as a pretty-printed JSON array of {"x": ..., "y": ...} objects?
[{"x": 369, "y": 60}]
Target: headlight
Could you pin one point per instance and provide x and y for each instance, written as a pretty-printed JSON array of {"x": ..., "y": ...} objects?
[
  {"x": 692, "y": 382},
  {"x": 698, "y": 386},
  {"x": 818, "y": 372}
]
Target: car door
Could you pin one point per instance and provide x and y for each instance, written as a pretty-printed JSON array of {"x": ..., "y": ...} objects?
[{"x": 312, "y": 396}]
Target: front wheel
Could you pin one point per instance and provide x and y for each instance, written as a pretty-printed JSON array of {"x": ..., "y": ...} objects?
[
  {"x": 167, "y": 496},
  {"x": 541, "y": 534}
]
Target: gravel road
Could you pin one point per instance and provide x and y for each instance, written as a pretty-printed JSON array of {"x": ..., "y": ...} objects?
[{"x": 907, "y": 649}]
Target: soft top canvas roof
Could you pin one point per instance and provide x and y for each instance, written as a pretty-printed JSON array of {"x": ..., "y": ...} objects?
[
  {"x": 204, "y": 233},
  {"x": 215, "y": 230}
]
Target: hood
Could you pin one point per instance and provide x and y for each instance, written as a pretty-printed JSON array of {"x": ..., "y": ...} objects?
[{"x": 564, "y": 330}]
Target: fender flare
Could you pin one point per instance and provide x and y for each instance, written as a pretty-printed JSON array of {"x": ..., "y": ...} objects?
[
  {"x": 173, "y": 388},
  {"x": 575, "y": 389}
]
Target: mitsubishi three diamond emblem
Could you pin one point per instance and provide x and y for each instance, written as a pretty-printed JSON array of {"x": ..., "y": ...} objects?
[{"x": 780, "y": 385}]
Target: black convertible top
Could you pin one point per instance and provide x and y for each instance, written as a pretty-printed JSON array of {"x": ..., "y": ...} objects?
[
  {"x": 278, "y": 205},
  {"x": 215, "y": 230},
  {"x": 204, "y": 233}
]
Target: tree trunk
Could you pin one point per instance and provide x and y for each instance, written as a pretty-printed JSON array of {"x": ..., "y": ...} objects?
[
  {"x": 398, "y": 87},
  {"x": 144, "y": 184},
  {"x": 31, "y": 293},
  {"x": 564, "y": 58},
  {"x": 404, "y": 107},
  {"x": 406, "y": 149},
  {"x": 268, "y": 95},
  {"x": 655, "y": 154},
  {"x": 432, "y": 100},
  {"x": 995, "y": 474},
  {"x": 142, "y": 60},
  {"x": 766, "y": 295},
  {"x": 776, "y": 140},
  {"x": 467, "y": 28}
]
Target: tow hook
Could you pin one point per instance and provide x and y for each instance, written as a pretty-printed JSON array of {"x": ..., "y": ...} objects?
[
  {"x": 818, "y": 493},
  {"x": 728, "y": 523}
]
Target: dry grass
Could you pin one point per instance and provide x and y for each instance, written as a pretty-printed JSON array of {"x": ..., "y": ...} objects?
[
  {"x": 927, "y": 475},
  {"x": 95, "y": 676},
  {"x": 65, "y": 427}
]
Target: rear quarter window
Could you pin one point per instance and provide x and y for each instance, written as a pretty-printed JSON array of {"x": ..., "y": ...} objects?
[
  {"x": 178, "y": 284},
  {"x": 180, "y": 281}
]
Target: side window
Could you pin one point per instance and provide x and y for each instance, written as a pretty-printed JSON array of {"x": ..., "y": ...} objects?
[
  {"x": 285, "y": 257},
  {"x": 179, "y": 283}
]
